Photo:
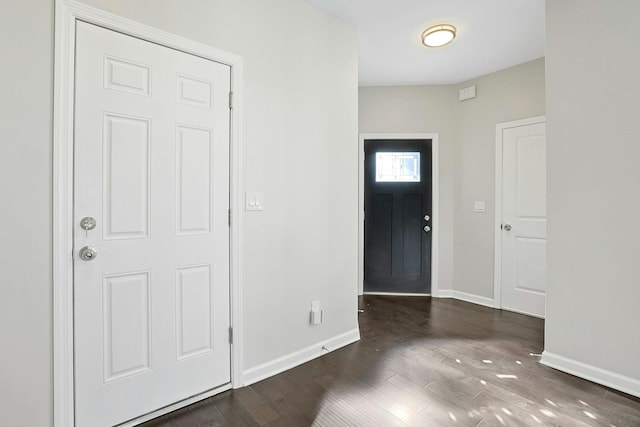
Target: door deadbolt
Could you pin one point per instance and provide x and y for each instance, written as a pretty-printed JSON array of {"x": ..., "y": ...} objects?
[
  {"x": 88, "y": 223},
  {"x": 88, "y": 253},
  {"x": 427, "y": 217}
]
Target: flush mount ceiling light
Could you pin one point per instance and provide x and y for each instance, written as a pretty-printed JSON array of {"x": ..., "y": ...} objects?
[{"x": 438, "y": 35}]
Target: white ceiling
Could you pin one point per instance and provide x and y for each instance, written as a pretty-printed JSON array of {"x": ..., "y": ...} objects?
[{"x": 492, "y": 35}]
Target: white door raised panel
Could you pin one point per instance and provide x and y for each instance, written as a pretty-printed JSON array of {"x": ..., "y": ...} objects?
[
  {"x": 524, "y": 219},
  {"x": 151, "y": 165}
]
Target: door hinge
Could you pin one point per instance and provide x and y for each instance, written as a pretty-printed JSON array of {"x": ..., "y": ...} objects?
[
  {"x": 229, "y": 217},
  {"x": 231, "y": 100},
  {"x": 230, "y": 334}
]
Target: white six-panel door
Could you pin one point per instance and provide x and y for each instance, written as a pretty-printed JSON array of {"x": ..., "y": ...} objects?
[
  {"x": 151, "y": 165},
  {"x": 524, "y": 218}
]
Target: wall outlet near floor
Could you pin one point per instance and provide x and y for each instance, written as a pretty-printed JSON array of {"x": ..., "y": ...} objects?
[{"x": 315, "y": 317}]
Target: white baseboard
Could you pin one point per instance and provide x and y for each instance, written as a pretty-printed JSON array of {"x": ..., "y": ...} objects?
[
  {"x": 398, "y": 294},
  {"x": 299, "y": 357},
  {"x": 444, "y": 293},
  {"x": 592, "y": 373},
  {"x": 526, "y": 313},
  {"x": 463, "y": 296}
]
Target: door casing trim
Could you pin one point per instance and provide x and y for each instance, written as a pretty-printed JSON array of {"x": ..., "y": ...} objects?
[
  {"x": 497, "y": 258},
  {"x": 434, "y": 202},
  {"x": 67, "y": 13}
]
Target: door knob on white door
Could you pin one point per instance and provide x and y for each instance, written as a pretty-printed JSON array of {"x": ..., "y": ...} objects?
[
  {"x": 88, "y": 253},
  {"x": 507, "y": 227}
]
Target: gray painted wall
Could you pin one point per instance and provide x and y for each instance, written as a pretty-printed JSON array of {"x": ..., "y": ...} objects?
[
  {"x": 512, "y": 94},
  {"x": 467, "y": 156},
  {"x": 26, "y": 49},
  {"x": 593, "y": 111},
  {"x": 300, "y": 98}
]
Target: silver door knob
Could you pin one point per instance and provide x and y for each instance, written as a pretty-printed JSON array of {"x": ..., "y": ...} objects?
[
  {"x": 88, "y": 253},
  {"x": 507, "y": 227},
  {"x": 427, "y": 217},
  {"x": 427, "y": 229}
]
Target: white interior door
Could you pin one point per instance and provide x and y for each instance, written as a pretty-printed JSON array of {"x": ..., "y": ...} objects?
[
  {"x": 524, "y": 219},
  {"x": 151, "y": 166}
]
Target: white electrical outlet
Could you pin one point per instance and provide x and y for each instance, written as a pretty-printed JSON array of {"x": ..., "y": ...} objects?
[{"x": 316, "y": 313}]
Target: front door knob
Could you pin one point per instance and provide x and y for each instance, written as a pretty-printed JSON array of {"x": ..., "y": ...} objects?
[
  {"x": 427, "y": 229},
  {"x": 88, "y": 253},
  {"x": 507, "y": 227}
]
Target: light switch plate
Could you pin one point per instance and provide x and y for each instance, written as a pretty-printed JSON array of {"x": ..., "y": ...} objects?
[
  {"x": 254, "y": 201},
  {"x": 479, "y": 206}
]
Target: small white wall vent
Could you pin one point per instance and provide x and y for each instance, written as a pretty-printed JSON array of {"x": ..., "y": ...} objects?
[{"x": 467, "y": 93}]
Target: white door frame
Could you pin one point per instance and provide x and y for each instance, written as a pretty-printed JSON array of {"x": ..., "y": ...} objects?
[
  {"x": 435, "y": 213},
  {"x": 67, "y": 13},
  {"x": 497, "y": 266}
]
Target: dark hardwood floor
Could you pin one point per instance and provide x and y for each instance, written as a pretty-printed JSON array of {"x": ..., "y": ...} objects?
[{"x": 422, "y": 362}]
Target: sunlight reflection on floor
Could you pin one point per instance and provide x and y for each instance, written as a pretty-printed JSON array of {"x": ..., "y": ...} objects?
[
  {"x": 590, "y": 415},
  {"x": 548, "y": 413},
  {"x": 507, "y": 376},
  {"x": 536, "y": 419},
  {"x": 506, "y": 411},
  {"x": 401, "y": 412}
]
